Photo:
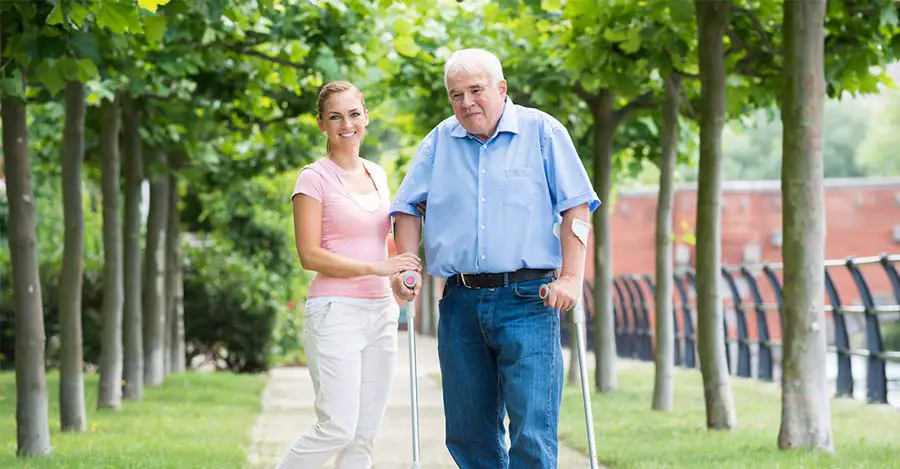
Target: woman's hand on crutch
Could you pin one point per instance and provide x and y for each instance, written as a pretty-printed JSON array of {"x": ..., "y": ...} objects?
[{"x": 562, "y": 294}]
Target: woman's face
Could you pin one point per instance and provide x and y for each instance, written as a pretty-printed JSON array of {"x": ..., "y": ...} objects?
[{"x": 344, "y": 119}]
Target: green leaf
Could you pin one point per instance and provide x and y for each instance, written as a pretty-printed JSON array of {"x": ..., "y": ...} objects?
[
  {"x": 12, "y": 85},
  {"x": 78, "y": 14},
  {"x": 56, "y": 16},
  {"x": 112, "y": 17},
  {"x": 551, "y": 5},
  {"x": 633, "y": 43},
  {"x": 406, "y": 46},
  {"x": 151, "y": 5},
  {"x": 889, "y": 16},
  {"x": 209, "y": 35},
  {"x": 155, "y": 27},
  {"x": 402, "y": 27},
  {"x": 87, "y": 70},
  {"x": 289, "y": 77},
  {"x": 615, "y": 36},
  {"x": 84, "y": 44},
  {"x": 50, "y": 74}
]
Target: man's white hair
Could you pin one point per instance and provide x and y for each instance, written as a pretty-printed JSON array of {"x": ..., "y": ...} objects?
[{"x": 473, "y": 60}]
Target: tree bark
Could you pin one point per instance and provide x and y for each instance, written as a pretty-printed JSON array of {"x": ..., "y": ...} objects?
[
  {"x": 604, "y": 323},
  {"x": 110, "y": 391},
  {"x": 132, "y": 327},
  {"x": 805, "y": 410},
  {"x": 32, "y": 419},
  {"x": 71, "y": 361},
  {"x": 154, "y": 317},
  {"x": 174, "y": 283},
  {"x": 712, "y": 23},
  {"x": 663, "y": 387}
]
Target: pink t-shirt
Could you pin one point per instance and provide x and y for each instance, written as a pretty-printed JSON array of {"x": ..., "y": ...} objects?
[{"x": 352, "y": 226}]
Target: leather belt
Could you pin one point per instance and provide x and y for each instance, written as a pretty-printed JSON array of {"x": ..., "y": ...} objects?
[{"x": 500, "y": 279}]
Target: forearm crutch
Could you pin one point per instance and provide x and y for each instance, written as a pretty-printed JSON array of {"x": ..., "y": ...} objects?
[
  {"x": 578, "y": 316},
  {"x": 409, "y": 281}
]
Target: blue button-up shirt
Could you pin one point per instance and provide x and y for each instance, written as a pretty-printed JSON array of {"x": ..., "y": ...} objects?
[{"x": 492, "y": 206}]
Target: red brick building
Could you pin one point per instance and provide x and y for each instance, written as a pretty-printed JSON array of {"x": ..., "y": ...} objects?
[{"x": 862, "y": 219}]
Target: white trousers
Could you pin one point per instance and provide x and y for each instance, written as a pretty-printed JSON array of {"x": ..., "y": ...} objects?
[{"x": 350, "y": 345}]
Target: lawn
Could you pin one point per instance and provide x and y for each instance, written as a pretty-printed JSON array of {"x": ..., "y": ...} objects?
[
  {"x": 195, "y": 420},
  {"x": 630, "y": 435}
]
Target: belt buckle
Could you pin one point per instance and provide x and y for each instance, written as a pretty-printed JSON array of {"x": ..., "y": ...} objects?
[{"x": 462, "y": 279}]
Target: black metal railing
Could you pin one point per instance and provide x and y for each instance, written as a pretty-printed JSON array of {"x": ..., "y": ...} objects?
[{"x": 752, "y": 305}]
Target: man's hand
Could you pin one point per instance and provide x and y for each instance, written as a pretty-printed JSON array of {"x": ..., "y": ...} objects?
[
  {"x": 564, "y": 293},
  {"x": 401, "y": 290}
]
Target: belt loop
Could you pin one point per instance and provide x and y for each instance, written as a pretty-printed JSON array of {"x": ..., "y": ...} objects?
[{"x": 505, "y": 279}]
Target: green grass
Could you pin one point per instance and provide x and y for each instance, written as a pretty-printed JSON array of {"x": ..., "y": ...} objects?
[
  {"x": 631, "y": 435},
  {"x": 195, "y": 420}
]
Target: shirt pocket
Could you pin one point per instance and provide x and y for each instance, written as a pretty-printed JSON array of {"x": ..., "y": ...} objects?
[{"x": 520, "y": 186}]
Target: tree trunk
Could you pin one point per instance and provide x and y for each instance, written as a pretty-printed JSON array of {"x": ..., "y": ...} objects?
[
  {"x": 663, "y": 387},
  {"x": 132, "y": 327},
  {"x": 110, "y": 391},
  {"x": 805, "y": 410},
  {"x": 71, "y": 362},
  {"x": 155, "y": 274},
  {"x": 604, "y": 322},
  {"x": 174, "y": 283},
  {"x": 712, "y": 23},
  {"x": 32, "y": 419}
]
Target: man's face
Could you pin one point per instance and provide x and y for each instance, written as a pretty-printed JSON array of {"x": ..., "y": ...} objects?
[{"x": 476, "y": 104}]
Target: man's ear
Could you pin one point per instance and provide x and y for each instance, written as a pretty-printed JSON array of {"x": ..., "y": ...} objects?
[{"x": 502, "y": 87}]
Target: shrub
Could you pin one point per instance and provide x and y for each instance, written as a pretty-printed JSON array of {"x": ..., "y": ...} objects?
[{"x": 231, "y": 306}]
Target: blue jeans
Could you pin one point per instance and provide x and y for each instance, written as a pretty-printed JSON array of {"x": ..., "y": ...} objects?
[{"x": 500, "y": 352}]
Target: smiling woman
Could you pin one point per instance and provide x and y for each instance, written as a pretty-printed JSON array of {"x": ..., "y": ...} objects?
[{"x": 341, "y": 224}]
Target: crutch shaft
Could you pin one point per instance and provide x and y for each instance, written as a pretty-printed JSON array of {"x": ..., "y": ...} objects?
[
  {"x": 579, "y": 320},
  {"x": 585, "y": 389},
  {"x": 413, "y": 381}
]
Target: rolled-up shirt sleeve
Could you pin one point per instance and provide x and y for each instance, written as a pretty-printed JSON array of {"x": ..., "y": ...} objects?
[
  {"x": 569, "y": 183},
  {"x": 414, "y": 188}
]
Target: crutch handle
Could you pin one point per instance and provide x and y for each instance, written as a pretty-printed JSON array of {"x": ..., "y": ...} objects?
[{"x": 409, "y": 279}]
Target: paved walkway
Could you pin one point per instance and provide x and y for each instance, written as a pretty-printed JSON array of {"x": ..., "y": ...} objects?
[{"x": 288, "y": 411}]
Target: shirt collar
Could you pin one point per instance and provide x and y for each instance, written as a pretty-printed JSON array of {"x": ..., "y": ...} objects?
[{"x": 509, "y": 121}]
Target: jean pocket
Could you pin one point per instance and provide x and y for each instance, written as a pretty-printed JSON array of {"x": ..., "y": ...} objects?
[
  {"x": 448, "y": 288},
  {"x": 530, "y": 289}
]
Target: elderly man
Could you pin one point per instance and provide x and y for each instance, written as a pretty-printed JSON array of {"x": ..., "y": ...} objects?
[{"x": 508, "y": 206}]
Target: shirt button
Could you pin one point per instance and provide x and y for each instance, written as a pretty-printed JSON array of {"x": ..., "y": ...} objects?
[
  {"x": 482, "y": 256},
  {"x": 482, "y": 199},
  {"x": 482, "y": 171},
  {"x": 482, "y": 227}
]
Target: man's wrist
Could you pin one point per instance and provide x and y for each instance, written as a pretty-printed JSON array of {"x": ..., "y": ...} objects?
[{"x": 569, "y": 276}]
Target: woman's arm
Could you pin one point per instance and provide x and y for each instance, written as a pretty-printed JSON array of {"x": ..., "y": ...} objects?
[{"x": 308, "y": 233}]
